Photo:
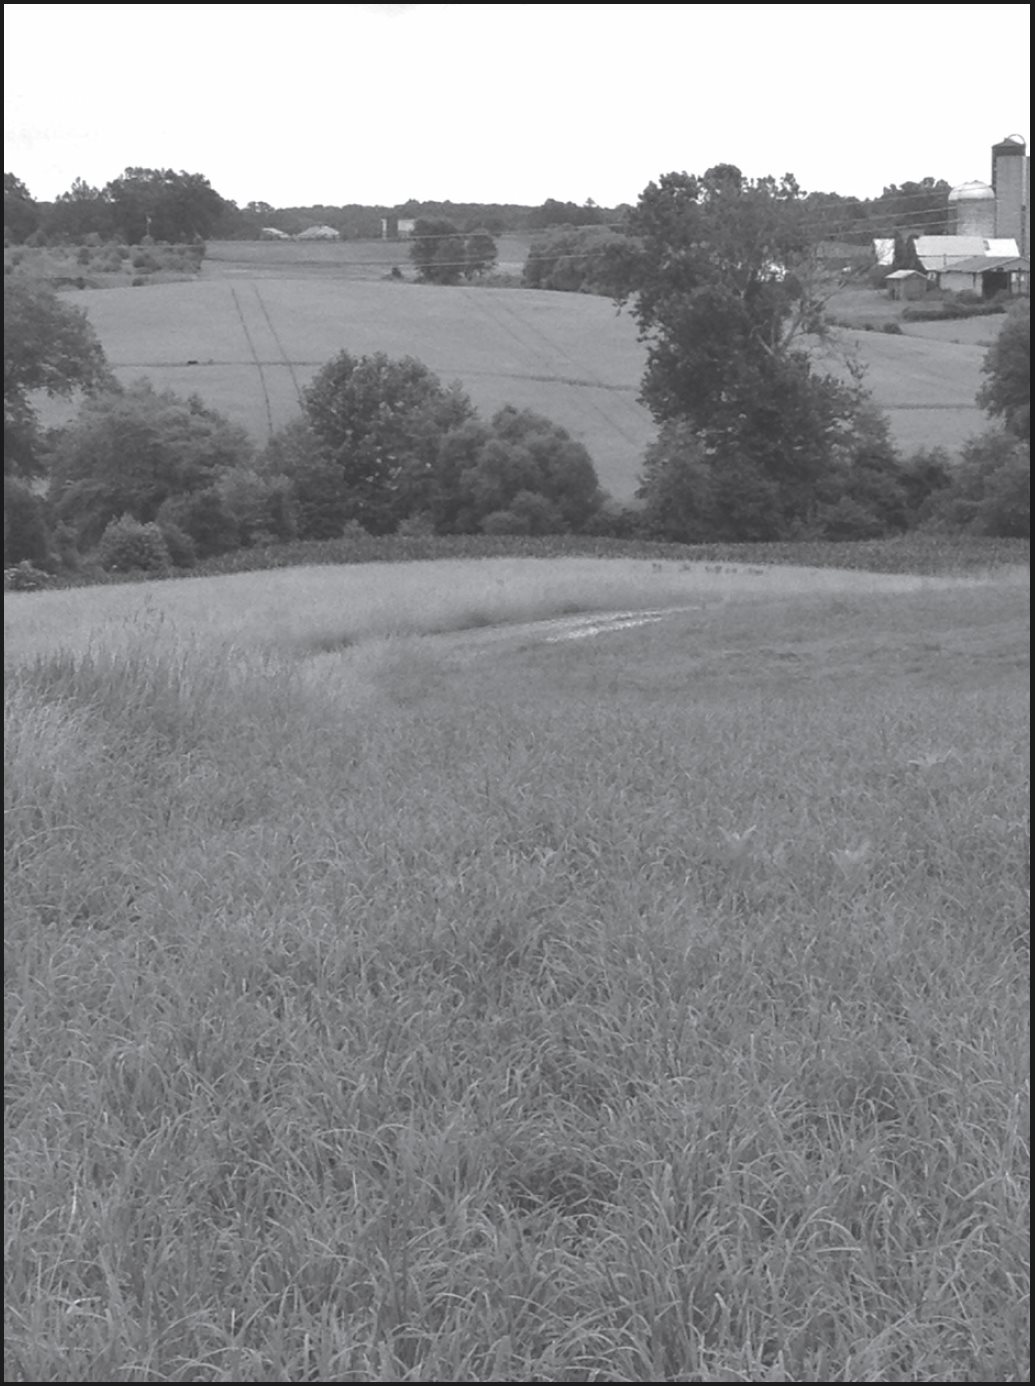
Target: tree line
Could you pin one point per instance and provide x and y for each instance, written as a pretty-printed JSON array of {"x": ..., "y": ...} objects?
[
  {"x": 177, "y": 206},
  {"x": 754, "y": 442}
]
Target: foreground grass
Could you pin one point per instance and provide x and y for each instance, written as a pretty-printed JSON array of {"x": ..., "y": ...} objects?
[
  {"x": 306, "y": 609},
  {"x": 644, "y": 1009}
]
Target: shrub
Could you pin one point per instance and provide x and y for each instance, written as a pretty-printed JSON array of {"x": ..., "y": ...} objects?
[
  {"x": 893, "y": 329},
  {"x": 573, "y": 260},
  {"x": 129, "y": 452},
  {"x": 990, "y": 492},
  {"x": 179, "y": 545},
  {"x": 204, "y": 517},
  {"x": 127, "y": 545},
  {"x": 23, "y": 577}
]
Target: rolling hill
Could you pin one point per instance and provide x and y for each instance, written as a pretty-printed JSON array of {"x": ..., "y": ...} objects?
[{"x": 263, "y": 318}]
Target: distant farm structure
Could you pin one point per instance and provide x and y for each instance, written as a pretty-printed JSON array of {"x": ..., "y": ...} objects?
[
  {"x": 397, "y": 228},
  {"x": 988, "y": 250}
]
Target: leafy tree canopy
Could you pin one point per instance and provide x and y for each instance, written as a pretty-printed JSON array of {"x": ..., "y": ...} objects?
[
  {"x": 164, "y": 205},
  {"x": 378, "y": 423},
  {"x": 445, "y": 255},
  {"x": 48, "y": 346},
  {"x": 130, "y": 451},
  {"x": 719, "y": 270},
  {"x": 1006, "y": 393},
  {"x": 21, "y": 215}
]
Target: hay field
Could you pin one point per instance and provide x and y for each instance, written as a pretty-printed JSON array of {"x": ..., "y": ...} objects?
[
  {"x": 256, "y": 341},
  {"x": 264, "y": 317},
  {"x": 647, "y": 1008}
]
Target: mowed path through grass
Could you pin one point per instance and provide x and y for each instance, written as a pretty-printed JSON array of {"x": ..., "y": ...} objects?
[{"x": 650, "y": 1008}]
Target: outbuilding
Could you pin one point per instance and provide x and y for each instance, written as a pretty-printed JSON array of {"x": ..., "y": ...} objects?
[
  {"x": 987, "y": 275},
  {"x": 906, "y": 284}
]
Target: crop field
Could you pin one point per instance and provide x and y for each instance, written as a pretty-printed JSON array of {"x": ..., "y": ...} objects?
[
  {"x": 395, "y": 991},
  {"x": 264, "y": 317}
]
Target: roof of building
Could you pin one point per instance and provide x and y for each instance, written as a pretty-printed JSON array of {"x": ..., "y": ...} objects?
[
  {"x": 906, "y": 274},
  {"x": 950, "y": 245},
  {"x": 1001, "y": 245},
  {"x": 978, "y": 264}
]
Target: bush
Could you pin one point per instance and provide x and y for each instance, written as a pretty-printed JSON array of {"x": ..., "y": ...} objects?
[
  {"x": 573, "y": 260},
  {"x": 129, "y": 452},
  {"x": 179, "y": 545},
  {"x": 127, "y": 546},
  {"x": 23, "y": 577},
  {"x": 205, "y": 518},
  {"x": 990, "y": 492}
]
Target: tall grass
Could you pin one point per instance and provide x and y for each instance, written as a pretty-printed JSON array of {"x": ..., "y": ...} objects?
[
  {"x": 648, "y": 1009},
  {"x": 310, "y": 609}
]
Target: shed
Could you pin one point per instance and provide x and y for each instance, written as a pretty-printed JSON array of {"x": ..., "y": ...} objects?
[
  {"x": 904, "y": 284},
  {"x": 988, "y": 275}
]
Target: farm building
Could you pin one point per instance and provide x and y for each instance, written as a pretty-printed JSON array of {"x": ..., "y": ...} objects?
[
  {"x": 397, "y": 228},
  {"x": 1011, "y": 181},
  {"x": 271, "y": 233},
  {"x": 906, "y": 284},
  {"x": 990, "y": 219},
  {"x": 318, "y": 233},
  {"x": 987, "y": 275},
  {"x": 974, "y": 207},
  {"x": 939, "y": 252}
]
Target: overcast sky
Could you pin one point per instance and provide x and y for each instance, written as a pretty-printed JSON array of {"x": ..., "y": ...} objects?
[{"x": 304, "y": 104}]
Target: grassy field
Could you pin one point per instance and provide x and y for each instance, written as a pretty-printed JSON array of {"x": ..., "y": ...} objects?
[
  {"x": 383, "y": 1004},
  {"x": 265, "y": 316}
]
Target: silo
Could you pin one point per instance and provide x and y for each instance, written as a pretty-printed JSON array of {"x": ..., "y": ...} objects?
[
  {"x": 973, "y": 209},
  {"x": 1010, "y": 175}
]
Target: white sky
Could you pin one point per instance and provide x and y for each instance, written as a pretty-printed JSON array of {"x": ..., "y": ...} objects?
[{"x": 303, "y": 104}]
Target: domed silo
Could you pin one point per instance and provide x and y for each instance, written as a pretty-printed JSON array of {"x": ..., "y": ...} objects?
[{"x": 973, "y": 208}]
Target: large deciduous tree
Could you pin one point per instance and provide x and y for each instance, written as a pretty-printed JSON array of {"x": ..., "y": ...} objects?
[
  {"x": 444, "y": 255},
  {"x": 1006, "y": 394},
  {"x": 719, "y": 271},
  {"x": 379, "y": 423},
  {"x": 50, "y": 347},
  {"x": 163, "y": 204}
]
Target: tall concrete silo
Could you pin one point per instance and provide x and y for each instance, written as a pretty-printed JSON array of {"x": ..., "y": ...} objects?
[
  {"x": 1011, "y": 172},
  {"x": 973, "y": 209}
]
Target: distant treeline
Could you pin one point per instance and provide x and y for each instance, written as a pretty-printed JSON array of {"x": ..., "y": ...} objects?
[{"x": 165, "y": 205}]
